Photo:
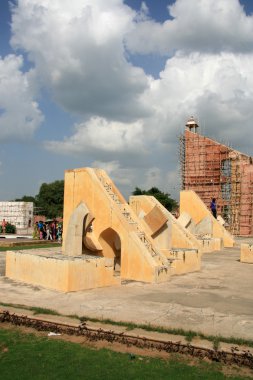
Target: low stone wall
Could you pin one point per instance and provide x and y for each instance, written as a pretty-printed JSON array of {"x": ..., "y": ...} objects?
[
  {"x": 212, "y": 244},
  {"x": 183, "y": 260},
  {"x": 56, "y": 271},
  {"x": 246, "y": 253}
]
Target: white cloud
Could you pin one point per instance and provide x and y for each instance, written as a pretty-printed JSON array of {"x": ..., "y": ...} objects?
[
  {"x": 99, "y": 135},
  {"x": 129, "y": 122},
  {"x": 78, "y": 51},
  {"x": 195, "y": 25},
  {"x": 129, "y": 177},
  {"x": 123, "y": 176},
  {"x": 19, "y": 113},
  {"x": 143, "y": 13},
  {"x": 109, "y": 167},
  {"x": 215, "y": 88}
]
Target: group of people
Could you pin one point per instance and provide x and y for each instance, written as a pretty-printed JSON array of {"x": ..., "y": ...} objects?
[{"x": 48, "y": 230}]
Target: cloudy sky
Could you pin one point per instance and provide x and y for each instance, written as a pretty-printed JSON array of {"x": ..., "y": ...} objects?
[{"x": 111, "y": 84}]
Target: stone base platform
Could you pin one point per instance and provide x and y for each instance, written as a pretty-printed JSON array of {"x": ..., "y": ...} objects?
[
  {"x": 246, "y": 253},
  {"x": 211, "y": 244},
  {"x": 184, "y": 260},
  {"x": 51, "y": 269}
]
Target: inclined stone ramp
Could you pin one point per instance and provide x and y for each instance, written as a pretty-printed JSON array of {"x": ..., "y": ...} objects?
[
  {"x": 133, "y": 224},
  {"x": 174, "y": 241},
  {"x": 203, "y": 222},
  {"x": 104, "y": 242},
  {"x": 115, "y": 227}
]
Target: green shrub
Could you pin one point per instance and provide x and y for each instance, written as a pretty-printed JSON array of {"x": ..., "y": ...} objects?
[
  {"x": 1, "y": 229},
  {"x": 10, "y": 228}
]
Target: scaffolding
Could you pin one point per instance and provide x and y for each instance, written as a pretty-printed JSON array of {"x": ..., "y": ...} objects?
[{"x": 214, "y": 170}]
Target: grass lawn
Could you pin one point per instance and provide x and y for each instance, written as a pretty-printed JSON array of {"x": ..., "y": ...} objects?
[
  {"x": 31, "y": 246},
  {"x": 25, "y": 356}
]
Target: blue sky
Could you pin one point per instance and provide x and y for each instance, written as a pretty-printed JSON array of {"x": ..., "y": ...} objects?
[{"x": 111, "y": 84}]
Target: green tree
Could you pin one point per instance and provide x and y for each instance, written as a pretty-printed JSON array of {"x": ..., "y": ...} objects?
[
  {"x": 10, "y": 228},
  {"x": 26, "y": 198},
  {"x": 50, "y": 199},
  {"x": 164, "y": 198}
]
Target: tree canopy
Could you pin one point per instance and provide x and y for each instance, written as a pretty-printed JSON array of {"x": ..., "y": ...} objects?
[
  {"x": 26, "y": 198},
  {"x": 50, "y": 199},
  {"x": 164, "y": 198}
]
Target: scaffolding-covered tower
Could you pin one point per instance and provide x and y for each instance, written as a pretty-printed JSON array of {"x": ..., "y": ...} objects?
[{"x": 214, "y": 170}]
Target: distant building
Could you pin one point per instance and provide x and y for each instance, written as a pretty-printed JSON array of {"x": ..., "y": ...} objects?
[
  {"x": 20, "y": 214},
  {"x": 214, "y": 170}
]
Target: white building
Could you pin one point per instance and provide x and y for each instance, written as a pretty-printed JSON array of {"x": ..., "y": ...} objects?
[{"x": 20, "y": 214}]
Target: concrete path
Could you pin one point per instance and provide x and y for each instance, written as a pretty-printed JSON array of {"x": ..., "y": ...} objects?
[
  {"x": 218, "y": 300},
  {"x": 15, "y": 236}
]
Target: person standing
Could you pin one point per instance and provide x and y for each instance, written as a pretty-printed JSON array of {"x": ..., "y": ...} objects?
[
  {"x": 213, "y": 207},
  {"x": 59, "y": 233},
  {"x": 4, "y": 226},
  {"x": 53, "y": 228},
  {"x": 49, "y": 233},
  {"x": 40, "y": 227},
  {"x": 36, "y": 234}
]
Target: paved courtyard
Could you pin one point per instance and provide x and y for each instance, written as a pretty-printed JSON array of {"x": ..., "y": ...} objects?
[{"x": 218, "y": 300}]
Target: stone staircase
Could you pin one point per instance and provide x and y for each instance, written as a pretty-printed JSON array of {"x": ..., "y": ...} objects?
[
  {"x": 161, "y": 260},
  {"x": 174, "y": 221},
  {"x": 183, "y": 258}
]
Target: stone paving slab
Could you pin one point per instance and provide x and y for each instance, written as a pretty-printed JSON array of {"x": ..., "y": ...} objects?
[{"x": 218, "y": 300}]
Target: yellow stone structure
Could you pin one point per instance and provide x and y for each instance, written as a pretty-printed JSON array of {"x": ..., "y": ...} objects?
[
  {"x": 103, "y": 241},
  {"x": 246, "y": 253},
  {"x": 115, "y": 232},
  {"x": 51, "y": 269},
  {"x": 106, "y": 240},
  {"x": 195, "y": 215},
  {"x": 174, "y": 241}
]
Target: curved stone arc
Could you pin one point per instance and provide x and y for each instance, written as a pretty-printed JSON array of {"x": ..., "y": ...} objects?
[
  {"x": 91, "y": 242},
  {"x": 75, "y": 230}
]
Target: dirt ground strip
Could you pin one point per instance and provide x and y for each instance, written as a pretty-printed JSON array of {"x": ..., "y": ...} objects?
[
  {"x": 218, "y": 300},
  {"x": 137, "y": 332},
  {"x": 136, "y": 353}
]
